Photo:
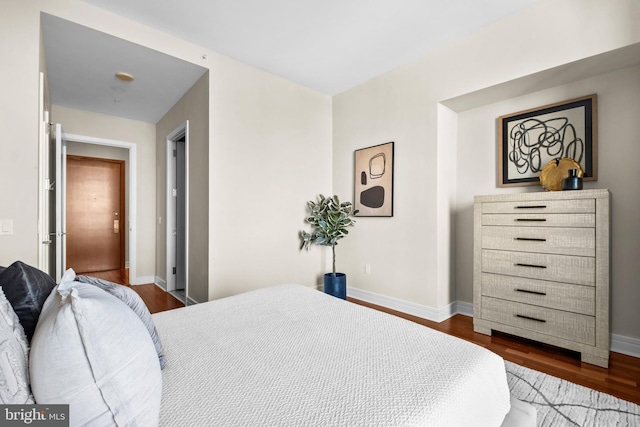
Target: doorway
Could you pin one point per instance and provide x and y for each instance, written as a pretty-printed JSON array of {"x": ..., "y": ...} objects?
[
  {"x": 177, "y": 216},
  {"x": 54, "y": 206},
  {"x": 95, "y": 197}
]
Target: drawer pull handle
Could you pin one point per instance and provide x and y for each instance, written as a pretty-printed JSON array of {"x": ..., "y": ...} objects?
[
  {"x": 531, "y": 239},
  {"x": 532, "y": 207},
  {"x": 519, "y": 264},
  {"x": 531, "y": 318},
  {"x": 531, "y": 219},
  {"x": 531, "y": 292}
]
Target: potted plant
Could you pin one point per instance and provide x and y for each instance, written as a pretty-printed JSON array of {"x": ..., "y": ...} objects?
[{"x": 329, "y": 219}]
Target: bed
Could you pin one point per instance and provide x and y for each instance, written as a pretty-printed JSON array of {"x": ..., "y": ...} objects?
[
  {"x": 292, "y": 356},
  {"x": 286, "y": 355}
]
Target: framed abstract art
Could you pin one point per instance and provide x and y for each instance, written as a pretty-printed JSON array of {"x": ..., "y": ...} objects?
[
  {"x": 528, "y": 140},
  {"x": 373, "y": 191}
]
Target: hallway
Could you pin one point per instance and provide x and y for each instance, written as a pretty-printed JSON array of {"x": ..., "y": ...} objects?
[{"x": 154, "y": 297}]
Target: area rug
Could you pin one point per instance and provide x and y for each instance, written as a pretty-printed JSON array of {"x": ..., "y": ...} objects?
[{"x": 563, "y": 403}]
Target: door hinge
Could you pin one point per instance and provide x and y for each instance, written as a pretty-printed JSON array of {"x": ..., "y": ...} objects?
[
  {"x": 174, "y": 270},
  {"x": 174, "y": 192},
  {"x": 175, "y": 153}
]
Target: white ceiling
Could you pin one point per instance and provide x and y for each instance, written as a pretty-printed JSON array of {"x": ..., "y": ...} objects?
[
  {"x": 81, "y": 67},
  {"x": 326, "y": 45}
]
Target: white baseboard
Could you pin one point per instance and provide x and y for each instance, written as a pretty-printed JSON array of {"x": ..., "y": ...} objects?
[
  {"x": 429, "y": 313},
  {"x": 619, "y": 343},
  {"x": 142, "y": 280},
  {"x": 161, "y": 283},
  {"x": 625, "y": 345},
  {"x": 465, "y": 308}
]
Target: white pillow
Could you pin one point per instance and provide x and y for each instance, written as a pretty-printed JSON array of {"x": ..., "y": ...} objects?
[
  {"x": 14, "y": 357},
  {"x": 92, "y": 352},
  {"x": 127, "y": 296}
]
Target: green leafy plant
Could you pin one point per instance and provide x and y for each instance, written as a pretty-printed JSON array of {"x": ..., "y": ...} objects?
[{"x": 329, "y": 219}]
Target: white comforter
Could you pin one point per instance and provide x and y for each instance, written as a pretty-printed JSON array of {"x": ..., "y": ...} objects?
[{"x": 293, "y": 356}]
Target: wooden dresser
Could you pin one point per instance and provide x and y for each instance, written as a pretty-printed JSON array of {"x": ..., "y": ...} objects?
[{"x": 541, "y": 269}]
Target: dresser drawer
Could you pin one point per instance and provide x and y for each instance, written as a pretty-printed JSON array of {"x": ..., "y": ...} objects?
[
  {"x": 563, "y": 296},
  {"x": 552, "y": 240},
  {"x": 558, "y": 268},
  {"x": 540, "y": 220},
  {"x": 557, "y": 323},
  {"x": 541, "y": 206}
]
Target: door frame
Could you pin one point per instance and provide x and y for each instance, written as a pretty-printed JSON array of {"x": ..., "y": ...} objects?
[
  {"x": 60, "y": 188},
  {"x": 172, "y": 138},
  {"x": 43, "y": 212},
  {"x": 51, "y": 187},
  {"x": 130, "y": 190}
]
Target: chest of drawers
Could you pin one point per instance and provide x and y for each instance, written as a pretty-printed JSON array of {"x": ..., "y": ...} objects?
[{"x": 541, "y": 269}]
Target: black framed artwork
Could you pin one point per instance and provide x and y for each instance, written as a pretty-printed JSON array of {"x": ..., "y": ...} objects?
[
  {"x": 373, "y": 190},
  {"x": 528, "y": 140}
]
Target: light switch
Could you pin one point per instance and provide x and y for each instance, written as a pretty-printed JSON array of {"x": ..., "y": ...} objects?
[{"x": 6, "y": 226}]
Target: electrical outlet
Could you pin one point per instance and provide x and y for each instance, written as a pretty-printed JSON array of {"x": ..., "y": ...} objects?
[
  {"x": 367, "y": 269},
  {"x": 6, "y": 226}
]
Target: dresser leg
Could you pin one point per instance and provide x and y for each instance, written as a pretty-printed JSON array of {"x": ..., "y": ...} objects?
[
  {"x": 603, "y": 362},
  {"x": 481, "y": 329}
]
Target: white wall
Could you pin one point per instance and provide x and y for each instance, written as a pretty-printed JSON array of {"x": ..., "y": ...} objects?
[
  {"x": 400, "y": 250},
  {"x": 410, "y": 260},
  {"x": 269, "y": 151},
  {"x": 194, "y": 107},
  {"x": 19, "y": 40},
  {"x": 270, "y": 146},
  {"x": 142, "y": 134}
]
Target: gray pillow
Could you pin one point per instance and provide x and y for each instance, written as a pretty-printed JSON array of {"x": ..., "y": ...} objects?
[
  {"x": 133, "y": 300},
  {"x": 14, "y": 357},
  {"x": 92, "y": 352}
]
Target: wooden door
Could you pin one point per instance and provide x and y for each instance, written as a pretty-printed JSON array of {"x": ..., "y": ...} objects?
[{"x": 95, "y": 214}]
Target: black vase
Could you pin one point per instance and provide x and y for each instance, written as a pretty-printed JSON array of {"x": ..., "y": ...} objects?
[
  {"x": 336, "y": 285},
  {"x": 573, "y": 181}
]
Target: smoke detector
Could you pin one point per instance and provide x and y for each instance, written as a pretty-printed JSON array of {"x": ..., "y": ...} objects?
[{"x": 125, "y": 77}]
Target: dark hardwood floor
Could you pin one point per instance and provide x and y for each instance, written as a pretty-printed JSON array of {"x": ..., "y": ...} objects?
[
  {"x": 155, "y": 298},
  {"x": 621, "y": 379}
]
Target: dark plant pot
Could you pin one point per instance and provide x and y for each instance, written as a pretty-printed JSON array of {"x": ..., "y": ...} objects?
[{"x": 336, "y": 285}]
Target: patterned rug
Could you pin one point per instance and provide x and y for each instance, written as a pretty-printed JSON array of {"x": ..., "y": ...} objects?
[{"x": 562, "y": 403}]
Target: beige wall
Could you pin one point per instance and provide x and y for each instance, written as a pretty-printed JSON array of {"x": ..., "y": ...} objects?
[
  {"x": 412, "y": 254},
  {"x": 269, "y": 151},
  {"x": 143, "y": 135},
  {"x": 19, "y": 40},
  {"x": 194, "y": 107}
]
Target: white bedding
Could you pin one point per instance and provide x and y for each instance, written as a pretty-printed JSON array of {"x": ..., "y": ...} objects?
[{"x": 293, "y": 356}]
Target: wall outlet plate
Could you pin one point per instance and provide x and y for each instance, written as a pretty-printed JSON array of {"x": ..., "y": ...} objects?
[{"x": 6, "y": 227}]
